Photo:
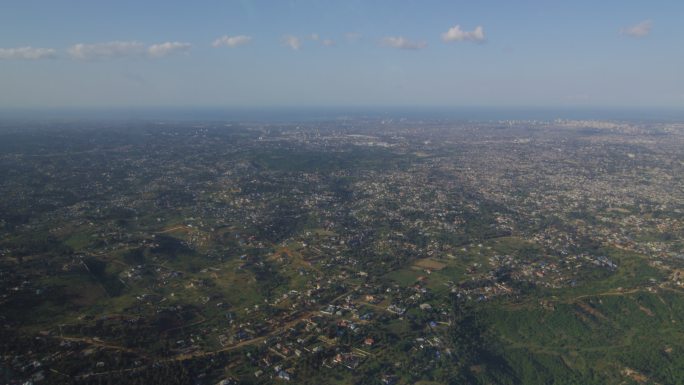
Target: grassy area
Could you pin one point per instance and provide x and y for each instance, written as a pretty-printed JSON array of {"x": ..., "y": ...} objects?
[
  {"x": 79, "y": 240},
  {"x": 404, "y": 277},
  {"x": 633, "y": 271},
  {"x": 512, "y": 245},
  {"x": 593, "y": 339}
]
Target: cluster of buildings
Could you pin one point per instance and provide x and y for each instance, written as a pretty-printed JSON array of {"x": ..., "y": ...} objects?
[{"x": 323, "y": 244}]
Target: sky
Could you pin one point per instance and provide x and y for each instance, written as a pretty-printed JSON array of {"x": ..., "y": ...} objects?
[{"x": 280, "y": 53}]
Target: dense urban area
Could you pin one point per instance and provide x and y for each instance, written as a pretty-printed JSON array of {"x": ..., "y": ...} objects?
[{"x": 349, "y": 251}]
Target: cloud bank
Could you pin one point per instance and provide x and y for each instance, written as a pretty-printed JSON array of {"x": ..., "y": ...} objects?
[
  {"x": 112, "y": 49},
  {"x": 27, "y": 53},
  {"x": 455, "y": 33},
  {"x": 120, "y": 49},
  {"x": 639, "y": 30},
  {"x": 353, "y": 37},
  {"x": 231, "y": 41},
  {"x": 322, "y": 41},
  {"x": 401, "y": 42},
  {"x": 168, "y": 48},
  {"x": 292, "y": 42}
]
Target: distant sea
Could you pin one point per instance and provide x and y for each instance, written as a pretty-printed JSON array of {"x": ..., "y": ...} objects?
[{"x": 295, "y": 114}]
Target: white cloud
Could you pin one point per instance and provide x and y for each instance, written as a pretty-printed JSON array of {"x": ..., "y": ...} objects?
[
  {"x": 324, "y": 42},
  {"x": 231, "y": 41},
  {"x": 112, "y": 49},
  {"x": 119, "y": 49},
  {"x": 402, "y": 43},
  {"x": 353, "y": 36},
  {"x": 168, "y": 48},
  {"x": 638, "y": 30},
  {"x": 455, "y": 33},
  {"x": 292, "y": 41},
  {"x": 27, "y": 53}
]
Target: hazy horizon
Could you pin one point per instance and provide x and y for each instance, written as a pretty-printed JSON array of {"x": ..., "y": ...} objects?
[{"x": 323, "y": 113}]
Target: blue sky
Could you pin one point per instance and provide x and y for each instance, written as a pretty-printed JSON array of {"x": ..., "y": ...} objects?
[{"x": 56, "y": 53}]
